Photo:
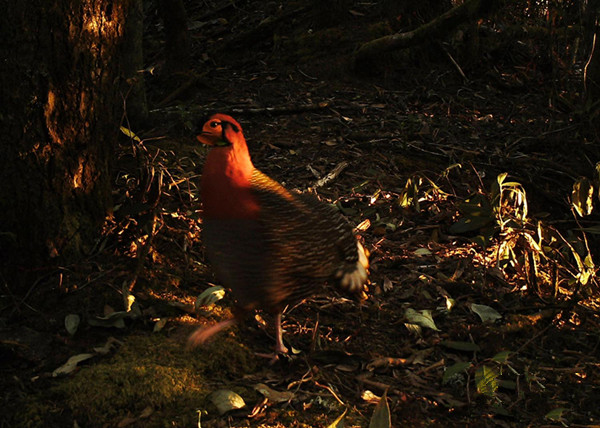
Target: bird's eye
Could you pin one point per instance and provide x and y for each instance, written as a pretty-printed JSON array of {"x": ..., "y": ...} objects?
[{"x": 214, "y": 124}]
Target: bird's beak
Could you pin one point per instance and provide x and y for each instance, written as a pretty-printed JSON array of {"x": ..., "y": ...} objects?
[
  {"x": 206, "y": 138},
  {"x": 212, "y": 140}
]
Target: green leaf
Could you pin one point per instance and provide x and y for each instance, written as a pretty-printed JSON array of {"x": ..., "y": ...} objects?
[
  {"x": 381, "y": 416},
  {"x": 500, "y": 410},
  {"x": 581, "y": 197},
  {"x": 409, "y": 197},
  {"x": 485, "y": 312},
  {"x": 454, "y": 369},
  {"x": 422, "y": 318},
  {"x": 501, "y": 177},
  {"x": 450, "y": 303},
  {"x": 339, "y": 422},
  {"x": 445, "y": 173},
  {"x": 130, "y": 134},
  {"x": 507, "y": 384},
  {"x": 210, "y": 296},
  {"x": 460, "y": 346},
  {"x": 72, "y": 323},
  {"x": 556, "y": 414},
  {"x": 422, "y": 252},
  {"x": 486, "y": 379},
  {"x": 501, "y": 357},
  {"x": 225, "y": 400}
]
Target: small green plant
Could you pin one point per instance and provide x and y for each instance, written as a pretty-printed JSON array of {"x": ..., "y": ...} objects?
[
  {"x": 502, "y": 210},
  {"x": 523, "y": 246},
  {"x": 417, "y": 189}
]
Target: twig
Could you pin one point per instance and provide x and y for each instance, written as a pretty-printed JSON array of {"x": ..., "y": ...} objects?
[
  {"x": 380, "y": 385},
  {"x": 330, "y": 389},
  {"x": 144, "y": 251},
  {"x": 306, "y": 75},
  {"x": 332, "y": 175},
  {"x": 431, "y": 367},
  {"x": 460, "y": 71}
]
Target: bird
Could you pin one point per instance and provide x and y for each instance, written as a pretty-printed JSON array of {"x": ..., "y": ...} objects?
[{"x": 269, "y": 246}]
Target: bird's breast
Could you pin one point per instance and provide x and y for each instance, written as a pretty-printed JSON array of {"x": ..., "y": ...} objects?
[{"x": 225, "y": 198}]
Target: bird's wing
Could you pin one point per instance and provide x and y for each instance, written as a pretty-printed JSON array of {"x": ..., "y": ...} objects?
[{"x": 310, "y": 241}]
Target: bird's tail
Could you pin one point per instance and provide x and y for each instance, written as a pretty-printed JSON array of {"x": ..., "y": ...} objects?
[{"x": 354, "y": 281}]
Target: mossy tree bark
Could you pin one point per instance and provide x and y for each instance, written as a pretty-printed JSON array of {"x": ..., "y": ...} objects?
[
  {"x": 432, "y": 30},
  {"x": 62, "y": 88}
]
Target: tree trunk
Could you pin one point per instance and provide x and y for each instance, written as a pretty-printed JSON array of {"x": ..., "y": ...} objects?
[
  {"x": 132, "y": 63},
  {"x": 60, "y": 86},
  {"x": 177, "y": 39}
]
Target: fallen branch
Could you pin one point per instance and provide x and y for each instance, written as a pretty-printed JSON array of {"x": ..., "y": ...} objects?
[
  {"x": 194, "y": 78},
  {"x": 293, "y": 109},
  {"x": 264, "y": 30},
  {"x": 432, "y": 30}
]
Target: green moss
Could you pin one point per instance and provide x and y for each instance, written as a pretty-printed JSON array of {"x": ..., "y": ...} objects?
[{"x": 149, "y": 371}]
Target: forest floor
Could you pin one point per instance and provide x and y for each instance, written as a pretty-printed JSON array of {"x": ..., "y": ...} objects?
[{"x": 483, "y": 304}]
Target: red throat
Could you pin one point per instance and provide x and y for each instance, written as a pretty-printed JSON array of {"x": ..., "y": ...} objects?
[{"x": 226, "y": 188}]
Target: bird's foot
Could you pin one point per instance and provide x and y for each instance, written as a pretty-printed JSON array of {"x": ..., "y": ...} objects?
[
  {"x": 273, "y": 357},
  {"x": 281, "y": 353},
  {"x": 280, "y": 348}
]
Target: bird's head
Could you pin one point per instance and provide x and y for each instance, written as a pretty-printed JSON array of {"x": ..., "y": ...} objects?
[{"x": 221, "y": 130}]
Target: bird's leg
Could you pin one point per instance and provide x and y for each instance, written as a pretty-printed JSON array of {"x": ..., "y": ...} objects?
[
  {"x": 279, "y": 346},
  {"x": 201, "y": 335}
]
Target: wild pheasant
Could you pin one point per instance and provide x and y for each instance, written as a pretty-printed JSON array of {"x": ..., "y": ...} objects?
[{"x": 269, "y": 246}]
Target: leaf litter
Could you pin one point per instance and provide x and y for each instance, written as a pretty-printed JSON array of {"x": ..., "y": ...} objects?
[{"x": 426, "y": 187}]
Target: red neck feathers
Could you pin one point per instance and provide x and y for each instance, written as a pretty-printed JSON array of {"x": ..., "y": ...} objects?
[{"x": 226, "y": 188}]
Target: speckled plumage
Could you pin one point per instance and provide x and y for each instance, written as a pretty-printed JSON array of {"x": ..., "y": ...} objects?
[{"x": 269, "y": 246}]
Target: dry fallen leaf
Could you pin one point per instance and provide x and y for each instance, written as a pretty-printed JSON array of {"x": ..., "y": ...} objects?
[
  {"x": 370, "y": 397},
  {"x": 146, "y": 412},
  {"x": 71, "y": 364},
  {"x": 339, "y": 422},
  {"x": 225, "y": 400},
  {"x": 272, "y": 395},
  {"x": 387, "y": 284},
  {"x": 110, "y": 344}
]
